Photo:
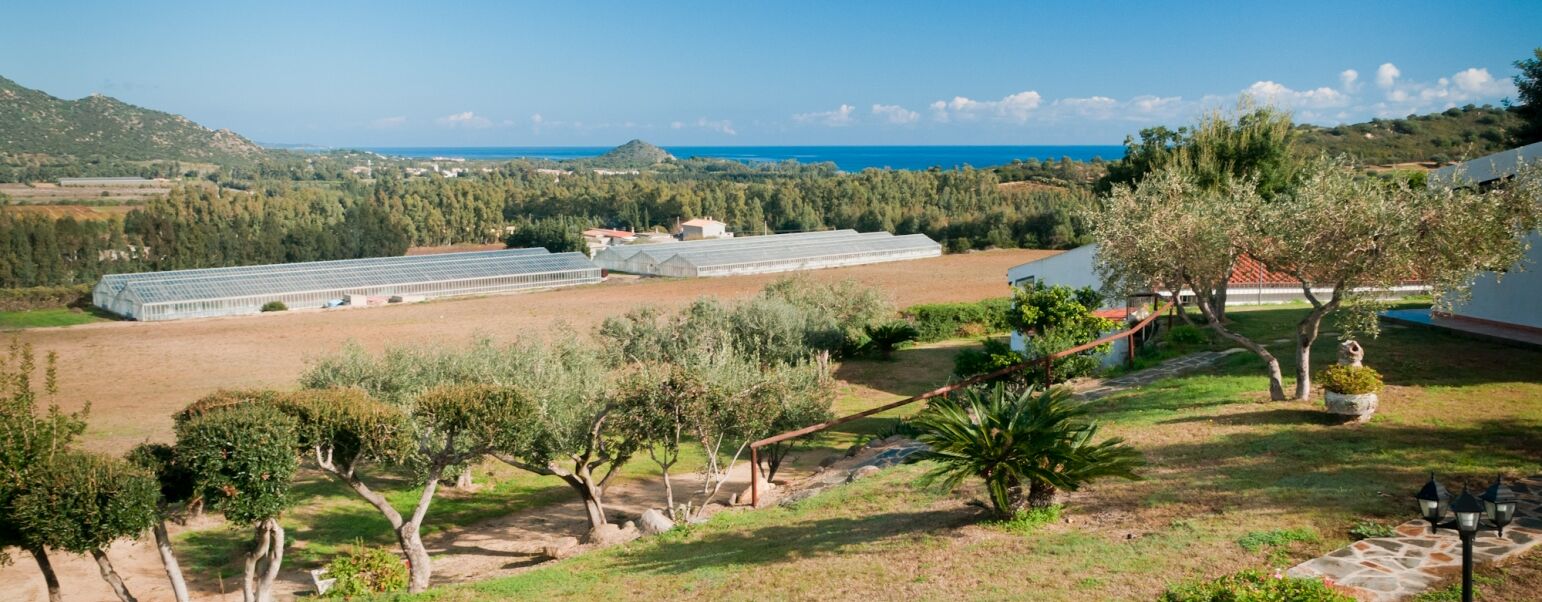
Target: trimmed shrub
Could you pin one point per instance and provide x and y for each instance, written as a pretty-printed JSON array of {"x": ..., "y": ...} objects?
[
  {"x": 82, "y": 502},
  {"x": 1253, "y": 586},
  {"x": 940, "y": 321},
  {"x": 1350, "y": 380},
  {"x": 363, "y": 571},
  {"x": 275, "y": 306},
  {"x": 243, "y": 459}
]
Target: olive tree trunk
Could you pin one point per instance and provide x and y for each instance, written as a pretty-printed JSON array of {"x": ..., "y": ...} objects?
[
  {"x": 1207, "y": 307},
  {"x": 1306, "y": 335},
  {"x": 111, "y": 576},
  {"x": 169, "y": 560},
  {"x": 408, "y": 530},
  {"x": 263, "y": 561},
  {"x": 48, "y": 574}
]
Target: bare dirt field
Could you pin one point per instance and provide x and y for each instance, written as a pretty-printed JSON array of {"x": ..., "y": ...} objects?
[{"x": 135, "y": 374}]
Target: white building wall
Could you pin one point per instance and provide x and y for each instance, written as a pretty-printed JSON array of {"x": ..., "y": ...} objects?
[{"x": 1514, "y": 299}]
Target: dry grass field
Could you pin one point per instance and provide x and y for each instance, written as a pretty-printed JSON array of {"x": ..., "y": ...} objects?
[
  {"x": 43, "y": 193},
  {"x": 135, "y": 374}
]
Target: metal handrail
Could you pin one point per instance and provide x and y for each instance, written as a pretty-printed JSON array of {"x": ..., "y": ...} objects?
[{"x": 1047, "y": 360}]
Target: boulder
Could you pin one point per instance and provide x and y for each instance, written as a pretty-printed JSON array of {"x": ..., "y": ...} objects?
[
  {"x": 862, "y": 473},
  {"x": 560, "y": 548},
  {"x": 654, "y": 522},
  {"x": 830, "y": 460},
  {"x": 610, "y": 534}
]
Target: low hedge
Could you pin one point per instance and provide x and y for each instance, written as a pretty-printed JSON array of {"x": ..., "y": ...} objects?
[
  {"x": 940, "y": 321},
  {"x": 45, "y": 297}
]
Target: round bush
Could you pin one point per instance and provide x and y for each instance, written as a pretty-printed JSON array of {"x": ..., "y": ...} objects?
[
  {"x": 363, "y": 571},
  {"x": 275, "y": 306},
  {"x": 1350, "y": 380}
]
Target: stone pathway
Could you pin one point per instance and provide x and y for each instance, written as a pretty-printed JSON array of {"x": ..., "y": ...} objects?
[
  {"x": 1385, "y": 569},
  {"x": 1096, "y": 389}
]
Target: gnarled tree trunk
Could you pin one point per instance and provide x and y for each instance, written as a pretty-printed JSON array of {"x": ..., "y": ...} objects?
[
  {"x": 49, "y": 577},
  {"x": 111, "y": 576},
  {"x": 262, "y": 562},
  {"x": 1206, "y": 306},
  {"x": 169, "y": 560},
  {"x": 1306, "y": 335}
]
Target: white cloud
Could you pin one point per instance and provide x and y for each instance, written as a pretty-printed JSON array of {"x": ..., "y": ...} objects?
[
  {"x": 385, "y": 123},
  {"x": 840, "y": 117},
  {"x": 1015, "y": 108},
  {"x": 1480, "y": 82},
  {"x": 466, "y": 119},
  {"x": 1387, "y": 74},
  {"x": 1278, "y": 94},
  {"x": 1349, "y": 80},
  {"x": 895, "y": 114}
]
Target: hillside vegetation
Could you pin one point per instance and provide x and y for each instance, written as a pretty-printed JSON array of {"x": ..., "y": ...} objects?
[
  {"x": 635, "y": 154},
  {"x": 1455, "y": 134},
  {"x": 37, "y": 129}
]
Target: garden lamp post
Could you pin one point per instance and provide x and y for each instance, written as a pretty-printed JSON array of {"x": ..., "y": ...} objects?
[{"x": 1497, "y": 504}]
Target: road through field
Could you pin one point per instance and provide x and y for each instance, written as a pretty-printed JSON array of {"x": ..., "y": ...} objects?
[{"x": 136, "y": 374}]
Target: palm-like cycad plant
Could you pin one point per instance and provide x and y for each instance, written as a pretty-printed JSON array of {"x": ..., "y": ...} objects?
[{"x": 1026, "y": 446}]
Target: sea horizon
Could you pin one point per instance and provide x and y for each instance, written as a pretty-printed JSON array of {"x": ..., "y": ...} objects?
[{"x": 845, "y": 157}]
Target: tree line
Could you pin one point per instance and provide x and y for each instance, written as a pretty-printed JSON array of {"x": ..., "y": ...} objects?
[{"x": 274, "y": 221}]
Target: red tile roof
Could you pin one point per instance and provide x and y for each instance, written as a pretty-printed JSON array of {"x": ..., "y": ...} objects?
[
  {"x": 609, "y": 232},
  {"x": 701, "y": 222},
  {"x": 1250, "y": 271}
]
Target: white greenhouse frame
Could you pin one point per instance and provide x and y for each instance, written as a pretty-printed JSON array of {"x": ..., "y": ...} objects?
[{"x": 243, "y": 290}]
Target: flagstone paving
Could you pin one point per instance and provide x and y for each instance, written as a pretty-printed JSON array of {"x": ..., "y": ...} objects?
[{"x": 1386, "y": 569}]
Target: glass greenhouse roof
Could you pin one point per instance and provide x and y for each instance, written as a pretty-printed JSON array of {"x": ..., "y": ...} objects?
[
  {"x": 116, "y": 281},
  {"x": 342, "y": 276},
  {"x": 625, "y": 252},
  {"x": 862, "y": 245}
]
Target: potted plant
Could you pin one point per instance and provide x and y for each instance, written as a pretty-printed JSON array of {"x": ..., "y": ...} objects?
[{"x": 1350, "y": 390}]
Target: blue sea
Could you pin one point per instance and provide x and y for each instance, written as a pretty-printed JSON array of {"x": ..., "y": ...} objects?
[{"x": 847, "y": 158}]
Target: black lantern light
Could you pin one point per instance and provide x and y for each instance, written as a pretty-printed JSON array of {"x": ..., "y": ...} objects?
[
  {"x": 1467, "y": 510},
  {"x": 1499, "y": 505},
  {"x": 1432, "y": 502}
]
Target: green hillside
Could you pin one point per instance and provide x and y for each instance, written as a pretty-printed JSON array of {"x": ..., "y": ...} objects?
[
  {"x": 632, "y": 155},
  {"x": 33, "y": 124},
  {"x": 1453, "y": 135}
]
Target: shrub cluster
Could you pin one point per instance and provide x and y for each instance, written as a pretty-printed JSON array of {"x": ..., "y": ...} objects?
[
  {"x": 365, "y": 570},
  {"x": 44, "y": 297},
  {"x": 1185, "y": 334},
  {"x": 939, "y": 321},
  {"x": 275, "y": 306},
  {"x": 1253, "y": 586},
  {"x": 1350, "y": 380}
]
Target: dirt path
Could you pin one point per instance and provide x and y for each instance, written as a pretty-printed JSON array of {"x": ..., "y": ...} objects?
[{"x": 135, "y": 374}]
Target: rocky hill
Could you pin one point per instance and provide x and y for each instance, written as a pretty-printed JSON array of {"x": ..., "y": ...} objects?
[
  {"x": 1451, "y": 135},
  {"x": 636, "y": 154},
  {"x": 34, "y": 123}
]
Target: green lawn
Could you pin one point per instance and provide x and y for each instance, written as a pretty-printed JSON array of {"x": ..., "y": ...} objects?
[
  {"x": 40, "y": 318},
  {"x": 1232, "y": 481}
]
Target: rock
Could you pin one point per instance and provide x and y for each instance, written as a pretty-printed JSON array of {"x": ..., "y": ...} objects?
[
  {"x": 1350, "y": 353},
  {"x": 560, "y": 548},
  {"x": 854, "y": 450},
  {"x": 610, "y": 534},
  {"x": 862, "y": 473},
  {"x": 653, "y": 522},
  {"x": 744, "y": 497},
  {"x": 829, "y": 460}
]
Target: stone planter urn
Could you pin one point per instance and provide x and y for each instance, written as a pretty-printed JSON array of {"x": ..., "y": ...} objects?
[{"x": 1358, "y": 407}]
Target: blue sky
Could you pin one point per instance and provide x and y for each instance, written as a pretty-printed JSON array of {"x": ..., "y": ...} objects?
[{"x": 474, "y": 73}]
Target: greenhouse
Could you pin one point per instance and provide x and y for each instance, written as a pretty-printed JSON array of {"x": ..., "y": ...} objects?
[
  {"x": 244, "y": 290},
  {"x": 765, "y": 254}
]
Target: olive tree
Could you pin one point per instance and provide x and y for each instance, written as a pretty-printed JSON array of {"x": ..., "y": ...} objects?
[
  {"x": 242, "y": 458},
  {"x": 1353, "y": 236},
  {"x": 1172, "y": 234},
  {"x": 30, "y": 440},
  {"x": 81, "y": 502}
]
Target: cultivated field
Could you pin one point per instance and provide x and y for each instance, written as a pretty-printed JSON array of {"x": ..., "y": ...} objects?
[
  {"x": 43, "y": 193},
  {"x": 136, "y": 374}
]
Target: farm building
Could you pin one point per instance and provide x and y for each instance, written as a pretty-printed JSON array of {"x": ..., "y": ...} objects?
[
  {"x": 704, "y": 228},
  {"x": 244, "y": 290},
  {"x": 766, "y": 254}
]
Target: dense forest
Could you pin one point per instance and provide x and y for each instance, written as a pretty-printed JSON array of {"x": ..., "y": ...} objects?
[{"x": 202, "y": 225}]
